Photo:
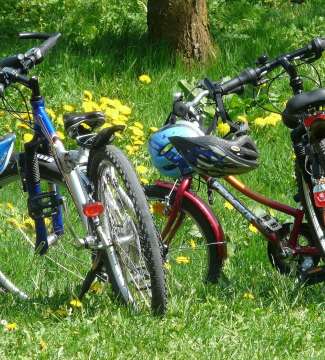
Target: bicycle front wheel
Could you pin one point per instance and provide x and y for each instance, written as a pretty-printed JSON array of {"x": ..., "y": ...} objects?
[{"x": 127, "y": 221}]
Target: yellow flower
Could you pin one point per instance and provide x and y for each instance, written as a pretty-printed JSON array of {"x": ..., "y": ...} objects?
[
  {"x": 68, "y": 108},
  {"x": 125, "y": 110},
  {"x": 248, "y": 296},
  {"x": 60, "y": 135},
  {"x": 136, "y": 131},
  {"x": 144, "y": 181},
  {"x": 138, "y": 124},
  {"x": 10, "y": 206},
  {"x": 153, "y": 129},
  {"x": 112, "y": 113},
  {"x": 51, "y": 113},
  {"x": 59, "y": 120},
  {"x": 145, "y": 79},
  {"x": 75, "y": 303},
  {"x": 27, "y": 137},
  {"x": 42, "y": 345},
  {"x": 228, "y": 206},
  {"x": 167, "y": 266},
  {"x": 11, "y": 327},
  {"x": 273, "y": 119},
  {"x": 29, "y": 222},
  {"x": 158, "y": 208},
  {"x": 192, "y": 244},
  {"x": 22, "y": 125},
  {"x": 253, "y": 229},
  {"x": 138, "y": 142},
  {"x": 88, "y": 96},
  {"x": 141, "y": 169},
  {"x": 115, "y": 103},
  {"x": 14, "y": 222},
  {"x": 88, "y": 106},
  {"x": 223, "y": 129},
  {"x": 104, "y": 100},
  {"x": 259, "y": 121},
  {"x": 85, "y": 126},
  {"x": 242, "y": 118},
  {"x": 97, "y": 287},
  {"x": 182, "y": 260}
]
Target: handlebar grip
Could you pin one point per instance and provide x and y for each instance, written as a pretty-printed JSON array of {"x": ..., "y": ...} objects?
[
  {"x": 318, "y": 46},
  {"x": 34, "y": 35},
  {"x": 10, "y": 61},
  {"x": 247, "y": 76},
  {"x": 49, "y": 43}
]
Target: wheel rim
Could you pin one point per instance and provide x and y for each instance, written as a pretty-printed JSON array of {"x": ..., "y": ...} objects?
[{"x": 120, "y": 219}]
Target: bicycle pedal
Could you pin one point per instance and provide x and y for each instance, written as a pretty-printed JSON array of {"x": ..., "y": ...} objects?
[
  {"x": 44, "y": 205},
  {"x": 270, "y": 222},
  {"x": 313, "y": 276}
]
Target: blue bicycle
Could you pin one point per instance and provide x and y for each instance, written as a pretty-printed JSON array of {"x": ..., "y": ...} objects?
[{"x": 105, "y": 209}]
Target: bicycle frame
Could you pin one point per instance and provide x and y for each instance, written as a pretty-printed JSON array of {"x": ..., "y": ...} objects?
[{"x": 182, "y": 190}]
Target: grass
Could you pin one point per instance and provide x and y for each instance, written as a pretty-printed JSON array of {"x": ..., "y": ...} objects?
[{"x": 279, "y": 320}]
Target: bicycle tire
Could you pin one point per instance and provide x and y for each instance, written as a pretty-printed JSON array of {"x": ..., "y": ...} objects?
[
  {"x": 140, "y": 258},
  {"x": 209, "y": 264}
]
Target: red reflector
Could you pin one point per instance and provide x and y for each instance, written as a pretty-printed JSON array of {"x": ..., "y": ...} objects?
[
  {"x": 93, "y": 209},
  {"x": 311, "y": 119},
  {"x": 319, "y": 198}
]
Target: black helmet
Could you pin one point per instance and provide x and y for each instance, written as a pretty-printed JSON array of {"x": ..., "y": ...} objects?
[{"x": 216, "y": 157}]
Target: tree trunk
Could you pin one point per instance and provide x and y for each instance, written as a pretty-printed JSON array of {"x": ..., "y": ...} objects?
[{"x": 183, "y": 24}]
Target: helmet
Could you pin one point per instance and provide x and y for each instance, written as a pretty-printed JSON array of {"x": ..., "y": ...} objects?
[
  {"x": 163, "y": 154},
  {"x": 216, "y": 157}
]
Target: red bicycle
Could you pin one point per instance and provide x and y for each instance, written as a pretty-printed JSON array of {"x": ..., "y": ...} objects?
[{"x": 293, "y": 248}]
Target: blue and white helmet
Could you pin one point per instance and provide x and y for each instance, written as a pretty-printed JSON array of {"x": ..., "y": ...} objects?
[{"x": 164, "y": 155}]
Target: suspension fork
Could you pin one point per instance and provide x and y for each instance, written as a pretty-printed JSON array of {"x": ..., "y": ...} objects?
[{"x": 33, "y": 186}]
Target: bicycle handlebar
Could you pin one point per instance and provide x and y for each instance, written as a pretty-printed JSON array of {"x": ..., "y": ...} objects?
[
  {"x": 252, "y": 75},
  {"x": 12, "y": 67}
]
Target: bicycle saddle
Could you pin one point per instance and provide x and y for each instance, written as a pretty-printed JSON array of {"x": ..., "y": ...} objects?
[
  {"x": 299, "y": 104},
  {"x": 73, "y": 122}
]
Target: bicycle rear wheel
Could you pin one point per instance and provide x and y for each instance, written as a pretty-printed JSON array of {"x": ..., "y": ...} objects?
[
  {"x": 127, "y": 220},
  {"x": 192, "y": 257}
]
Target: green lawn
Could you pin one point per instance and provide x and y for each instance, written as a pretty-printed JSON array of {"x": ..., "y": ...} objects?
[{"x": 257, "y": 313}]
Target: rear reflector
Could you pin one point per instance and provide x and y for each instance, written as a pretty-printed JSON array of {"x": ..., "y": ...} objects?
[
  {"x": 319, "y": 198},
  {"x": 93, "y": 209}
]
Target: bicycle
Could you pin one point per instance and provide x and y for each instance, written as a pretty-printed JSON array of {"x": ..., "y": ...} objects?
[
  {"x": 293, "y": 248},
  {"x": 108, "y": 204}
]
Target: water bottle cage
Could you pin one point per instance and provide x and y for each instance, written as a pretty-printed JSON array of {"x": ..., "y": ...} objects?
[{"x": 44, "y": 205}]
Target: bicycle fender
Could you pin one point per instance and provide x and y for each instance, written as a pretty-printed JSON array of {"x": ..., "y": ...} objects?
[
  {"x": 207, "y": 213},
  {"x": 106, "y": 136}
]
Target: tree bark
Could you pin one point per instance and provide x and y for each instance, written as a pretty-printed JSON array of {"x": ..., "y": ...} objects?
[{"x": 183, "y": 24}]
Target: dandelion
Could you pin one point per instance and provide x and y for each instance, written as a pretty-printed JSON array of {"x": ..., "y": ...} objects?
[
  {"x": 112, "y": 113},
  {"x": 14, "y": 222},
  {"x": 182, "y": 260},
  {"x": 141, "y": 169},
  {"x": 76, "y": 303},
  {"x": 273, "y": 119},
  {"x": 252, "y": 229},
  {"x": 192, "y": 244},
  {"x": 27, "y": 137},
  {"x": 42, "y": 345},
  {"x": 10, "y": 206},
  {"x": 144, "y": 181},
  {"x": 88, "y": 96},
  {"x": 259, "y": 121},
  {"x": 223, "y": 129},
  {"x": 60, "y": 135},
  {"x": 11, "y": 327},
  {"x": 29, "y": 223},
  {"x": 136, "y": 131},
  {"x": 145, "y": 79},
  {"x": 51, "y": 113},
  {"x": 242, "y": 118},
  {"x": 138, "y": 142},
  {"x": 22, "y": 125},
  {"x": 153, "y": 129},
  {"x": 138, "y": 124},
  {"x": 125, "y": 110},
  {"x": 59, "y": 120},
  {"x": 97, "y": 287},
  {"x": 248, "y": 296},
  {"x": 228, "y": 206},
  {"x": 68, "y": 108}
]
